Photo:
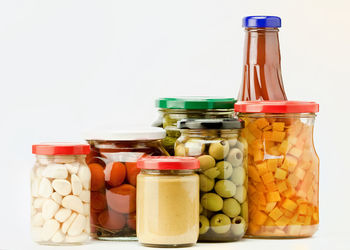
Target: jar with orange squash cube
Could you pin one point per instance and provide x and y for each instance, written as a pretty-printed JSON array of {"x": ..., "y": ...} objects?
[
  {"x": 112, "y": 162},
  {"x": 283, "y": 168}
]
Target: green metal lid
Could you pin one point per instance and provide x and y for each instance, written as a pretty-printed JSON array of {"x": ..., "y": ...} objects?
[{"x": 199, "y": 102}]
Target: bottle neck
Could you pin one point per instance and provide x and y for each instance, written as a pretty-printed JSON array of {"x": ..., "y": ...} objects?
[
  {"x": 262, "y": 77},
  {"x": 262, "y": 47}
]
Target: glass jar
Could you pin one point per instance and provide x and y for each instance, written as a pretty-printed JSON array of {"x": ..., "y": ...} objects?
[
  {"x": 222, "y": 153},
  {"x": 168, "y": 201},
  {"x": 283, "y": 168},
  {"x": 112, "y": 162},
  {"x": 60, "y": 194},
  {"x": 172, "y": 110}
]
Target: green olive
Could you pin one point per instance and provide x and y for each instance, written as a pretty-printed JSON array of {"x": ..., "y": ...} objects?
[
  {"x": 200, "y": 208},
  {"x": 212, "y": 202},
  {"x": 203, "y": 224},
  {"x": 235, "y": 157},
  {"x": 206, "y": 162},
  {"x": 231, "y": 207},
  {"x": 173, "y": 133},
  {"x": 180, "y": 150},
  {"x": 238, "y": 176},
  {"x": 212, "y": 173},
  {"x": 225, "y": 169},
  {"x": 225, "y": 188},
  {"x": 244, "y": 211},
  {"x": 206, "y": 184},
  {"x": 194, "y": 147},
  {"x": 207, "y": 213},
  {"x": 219, "y": 150},
  {"x": 241, "y": 194},
  {"x": 220, "y": 223},
  {"x": 238, "y": 226}
]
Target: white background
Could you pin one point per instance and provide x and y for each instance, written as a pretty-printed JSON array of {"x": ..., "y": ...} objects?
[{"x": 67, "y": 66}]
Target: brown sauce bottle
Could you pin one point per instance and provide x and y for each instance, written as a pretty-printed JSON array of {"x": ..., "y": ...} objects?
[{"x": 262, "y": 78}]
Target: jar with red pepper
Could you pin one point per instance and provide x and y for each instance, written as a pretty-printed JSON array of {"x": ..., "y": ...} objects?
[{"x": 112, "y": 162}]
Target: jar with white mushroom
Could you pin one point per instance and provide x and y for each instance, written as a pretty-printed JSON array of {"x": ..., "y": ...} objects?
[{"x": 60, "y": 194}]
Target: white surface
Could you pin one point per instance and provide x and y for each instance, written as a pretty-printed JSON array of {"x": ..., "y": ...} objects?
[{"x": 70, "y": 65}]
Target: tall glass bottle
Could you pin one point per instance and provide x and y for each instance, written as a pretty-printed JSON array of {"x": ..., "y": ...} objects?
[{"x": 262, "y": 78}]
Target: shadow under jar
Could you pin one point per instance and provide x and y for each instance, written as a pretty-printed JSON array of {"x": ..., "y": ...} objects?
[
  {"x": 222, "y": 153},
  {"x": 283, "y": 168},
  {"x": 112, "y": 162}
]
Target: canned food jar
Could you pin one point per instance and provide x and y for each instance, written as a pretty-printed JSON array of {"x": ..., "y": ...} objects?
[
  {"x": 168, "y": 201},
  {"x": 222, "y": 153},
  {"x": 172, "y": 110},
  {"x": 283, "y": 168},
  {"x": 60, "y": 194},
  {"x": 112, "y": 162}
]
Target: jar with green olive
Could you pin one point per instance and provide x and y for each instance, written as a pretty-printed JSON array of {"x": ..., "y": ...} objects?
[
  {"x": 171, "y": 110},
  {"x": 222, "y": 153}
]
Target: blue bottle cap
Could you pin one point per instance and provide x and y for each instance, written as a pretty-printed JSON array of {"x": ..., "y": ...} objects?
[{"x": 261, "y": 22}]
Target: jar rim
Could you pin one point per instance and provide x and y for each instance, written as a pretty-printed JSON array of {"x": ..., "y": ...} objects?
[
  {"x": 132, "y": 134},
  {"x": 282, "y": 107}
]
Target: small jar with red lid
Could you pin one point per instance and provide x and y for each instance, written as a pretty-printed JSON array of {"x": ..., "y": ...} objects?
[
  {"x": 168, "y": 201},
  {"x": 60, "y": 194},
  {"x": 112, "y": 162},
  {"x": 283, "y": 168}
]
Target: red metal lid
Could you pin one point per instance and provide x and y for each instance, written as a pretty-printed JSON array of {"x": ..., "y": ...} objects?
[
  {"x": 167, "y": 163},
  {"x": 276, "y": 107},
  {"x": 61, "y": 148}
]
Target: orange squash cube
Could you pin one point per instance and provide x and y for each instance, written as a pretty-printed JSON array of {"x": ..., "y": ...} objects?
[
  {"x": 253, "y": 128},
  {"x": 302, "y": 209},
  {"x": 280, "y": 174},
  {"x": 258, "y": 156},
  {"x": 278, "y": 136},
  {"x": 289, "y": 163},
  {"x": 261, "y": 123},
  {"x": 270, "y": 187},
  {"x": 267, "y": 178},
  {"x": 272, "y": 164},
  {"x": 300, "y": 173},
  {"x": 296, "y": 152},
  {"x": 284, "y": 147},
  {"x": 282, "y": 221},
  {"x": 278, "y": 126},
  {"x": 269, "y": 206},
  {"x": 267, "y": 135},
  {"x": 253, "y": 173},
  {"x": 293, "y": 180},
  {"x": 273, "y": 196},
  {"x": 276, "y": 213},
  {"x": 282, "y": 186},
  {"x": 259, "y": 218},
  {"x": 262, "y": 168},
  {"x": 289, "y": 205}
]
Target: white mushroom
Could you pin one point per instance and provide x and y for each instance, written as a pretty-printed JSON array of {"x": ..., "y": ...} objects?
[
  {"x": 85, "y": 176},
  {"x": 45, "y": 188},
  {"x": 55, "y": 171},
  {"x": 49, "y": 229},
  {"x": 49, "y": 209},
  {"x": 74, "y": 203},
  {"x": 63, "y": 187},
  {"x": 63, "y": 214},
  {"x": 77, "y": 187}
]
